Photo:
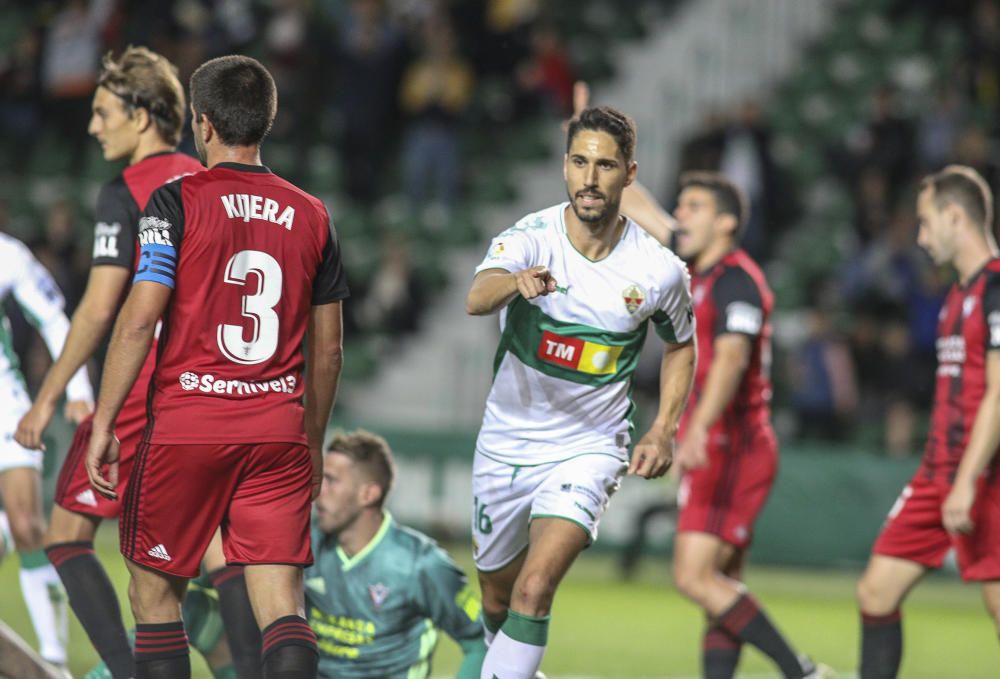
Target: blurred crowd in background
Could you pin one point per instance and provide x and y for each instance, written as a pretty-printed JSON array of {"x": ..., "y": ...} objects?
[{"x": 408, "y": 114}]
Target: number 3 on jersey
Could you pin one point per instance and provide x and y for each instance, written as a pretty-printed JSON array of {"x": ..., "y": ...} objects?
[{"x": 258, "y": 307}]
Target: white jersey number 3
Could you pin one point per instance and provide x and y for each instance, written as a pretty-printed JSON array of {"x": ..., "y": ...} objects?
[{"x": 258, "y": 307}]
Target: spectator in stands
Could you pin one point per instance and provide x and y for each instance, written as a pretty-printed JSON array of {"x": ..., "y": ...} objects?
[
  {"x": 434, "y": 94},
  {"x": 58, "y": 249},
  {"x": 293, "y": 42},
  {"x": 545, "y": 79},
  {"x": 872, "y": 204},
  {"x": 888, "y": 142},
  {"x": 393, "y": 302},
  {"x": 745, "y": 158},
  {"x": 20, "y": 98},
  {"x": 983, "y": 53},
  {"x": 70, "y": 58},
  {"x": 507, "y": 36},
  {"x": 824, "y": 386},
  {"x": 899, "y": 386},
  {"x": 703, "y": 149},
  {"x": 939, "y": 128},
  {"x": 369, "y": 66}
]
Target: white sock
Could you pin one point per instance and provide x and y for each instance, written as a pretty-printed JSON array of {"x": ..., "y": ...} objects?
[
  {"x": 48, "y": 606},
  {"x": 509, "y": 658}
]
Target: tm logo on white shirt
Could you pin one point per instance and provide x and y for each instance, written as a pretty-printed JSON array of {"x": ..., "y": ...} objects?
[{"x": 159, "y": 552}]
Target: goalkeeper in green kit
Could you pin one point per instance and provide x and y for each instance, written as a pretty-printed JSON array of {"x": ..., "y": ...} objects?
[{"x": 378, "y": 592}]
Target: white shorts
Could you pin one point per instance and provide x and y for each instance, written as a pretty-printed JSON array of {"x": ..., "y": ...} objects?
[
  {"x": 14, "y": 403},
  {"x": 506, "y": 498}
]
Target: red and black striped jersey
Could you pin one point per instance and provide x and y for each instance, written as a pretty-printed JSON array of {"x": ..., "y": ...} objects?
[
  {"x": 968, "y": 328},
  {"x": 247, "y": 255},
  {"x": 116, "y": 243},
  {"x": 732, "y": 296}
]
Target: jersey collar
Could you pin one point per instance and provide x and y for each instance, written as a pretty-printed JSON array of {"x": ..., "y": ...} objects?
[
  {"x": 565, "y": 232},
  {"x": 349, "y": 562},
  {"x": 243, "y": 167}
]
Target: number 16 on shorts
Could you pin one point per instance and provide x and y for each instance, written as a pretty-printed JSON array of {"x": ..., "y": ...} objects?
[{"x": 481, "y": 520}]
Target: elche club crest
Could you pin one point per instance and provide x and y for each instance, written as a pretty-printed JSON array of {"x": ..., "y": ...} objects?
[
  {"x": 378, "y": 593},
  {"x": 634, "y": 296}
]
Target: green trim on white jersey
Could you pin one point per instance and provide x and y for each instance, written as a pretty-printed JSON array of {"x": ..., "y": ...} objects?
[
  {"x": 570, "y": 351},
  {"x": 564, "y": 367}
]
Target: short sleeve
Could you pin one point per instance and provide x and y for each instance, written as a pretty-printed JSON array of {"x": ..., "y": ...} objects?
[
  {"x": 330, "y": 284},
  {"x": 513, "y": 250},
  {"x": 739, "y": 304},
  {"x": 161, "y": 230},
  {"x": 674, "y": 315},
  {"x": 115, "y": 224},
  {"x": 991, "y": 309},
  {"x": 446, "y": 596}
]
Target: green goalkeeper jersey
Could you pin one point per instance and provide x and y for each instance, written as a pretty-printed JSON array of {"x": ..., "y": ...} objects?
[{"x": 377, "y": 614}]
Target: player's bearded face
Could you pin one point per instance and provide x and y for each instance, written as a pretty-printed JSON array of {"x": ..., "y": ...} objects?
[
  {"x": 596, "y": 174},
  {"x": 338, "y": 503},
  {"x": 934, "y": 235},
  {"x": 111, "y": 125}
]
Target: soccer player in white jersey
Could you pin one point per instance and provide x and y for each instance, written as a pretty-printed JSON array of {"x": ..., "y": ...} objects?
[
  {"x": 31, "y": 286},
  {"x": 576, "y": 286}
]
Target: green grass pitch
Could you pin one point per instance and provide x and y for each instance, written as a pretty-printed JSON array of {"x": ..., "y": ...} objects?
[{"x": 605, "y": 628}]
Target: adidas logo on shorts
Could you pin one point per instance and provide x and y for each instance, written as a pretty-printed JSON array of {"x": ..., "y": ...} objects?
[
  {"x": 87, "y": 497},
  {"x": 159, "y": 552}
]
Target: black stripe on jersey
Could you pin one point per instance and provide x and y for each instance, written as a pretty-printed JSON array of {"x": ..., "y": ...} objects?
[
  {"x": 132, "y": 496},
  {"x": 330, "y": 283},
  {"x": 722, "y": 500},
  {"x": 956, "y": 428},
  {"x": 735, "y": 286},
  {"x": 991, "y": 308},
  {"x": 115, "y": 220},
  {"x": 130, "y": 505}
]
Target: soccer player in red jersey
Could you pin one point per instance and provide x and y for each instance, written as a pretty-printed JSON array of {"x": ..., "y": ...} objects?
[
  {"x": 138, "y": 115},
  {"x": 728, "y": 454},
  {"x": 239, "y": 263},
  {"x": 953, "y": 500}
]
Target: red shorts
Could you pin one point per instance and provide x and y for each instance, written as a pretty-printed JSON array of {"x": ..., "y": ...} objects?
[
  {"x": 179, "y": 494},
  {"x": 73, "y": 489},
  {"x": 725, "y": 498},
  {"x": 914, "y": 531}
]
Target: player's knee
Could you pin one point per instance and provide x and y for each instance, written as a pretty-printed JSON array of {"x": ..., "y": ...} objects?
[
  {"x": 533, "y": 593},
  {"x": 28, "y": 531},
  {"x": 495, "y": 609},
  {"x": 153, "y": 601},
  {"x": 873, "y": 599},
  {"x": 690, "y": 581}
]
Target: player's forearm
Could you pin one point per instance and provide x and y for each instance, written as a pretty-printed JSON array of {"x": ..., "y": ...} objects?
[
  {"x": 322, "y": 378},
  {"x": 130, "y": 343},
  {"x": 983, "y": 439},
  {"x": 676, "y": 377},
  {"x": 721, "y": 384},
  {"x": 490, "y": 292},
  {"x": 54, "y": 331},
  {"x": 87, "y": 329},
  {"x": 639, "y": 205},
  {"x": 324, "y": 359}
]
